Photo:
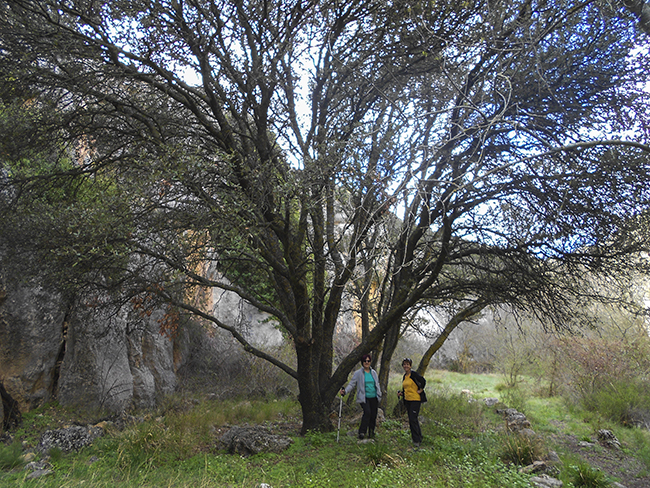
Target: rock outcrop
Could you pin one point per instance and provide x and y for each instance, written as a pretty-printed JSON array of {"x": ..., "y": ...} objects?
[
  {"x": 87, "y": 353},
  {"x": 68, "y": 439},
  {"x": 246, "y": 441},
  {"x": 31, "y": 335}
]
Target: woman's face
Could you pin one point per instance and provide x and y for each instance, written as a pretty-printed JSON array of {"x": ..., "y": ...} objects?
[
  {"x": 366, "y": 363},
  {"x": 407, "y": 367}
]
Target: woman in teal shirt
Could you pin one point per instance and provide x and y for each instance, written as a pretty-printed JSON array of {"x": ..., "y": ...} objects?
[{"x": 368, "y": 396}]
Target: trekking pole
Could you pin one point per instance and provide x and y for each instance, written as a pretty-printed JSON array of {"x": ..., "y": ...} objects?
[{"x": 339, "y": 429}]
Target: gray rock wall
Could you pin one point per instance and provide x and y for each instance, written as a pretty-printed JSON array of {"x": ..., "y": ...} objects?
[
  {"x": 87, "y": 354},
  {"x": 31, "y": 325}
]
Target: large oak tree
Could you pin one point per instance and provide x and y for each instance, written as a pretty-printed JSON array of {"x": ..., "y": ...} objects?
[{"x": 414, "y": 153}]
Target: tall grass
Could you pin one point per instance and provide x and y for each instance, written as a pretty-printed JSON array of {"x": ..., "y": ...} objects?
[
  {"x": 521, "y": 450},
  {"x": 582, "y": 475},
  {"x": 11, "y": 455}
]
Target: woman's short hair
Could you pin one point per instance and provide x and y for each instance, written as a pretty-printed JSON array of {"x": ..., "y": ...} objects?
[
  {"x": 365, "y": 357},
  {"x": 407, "y": 360}
]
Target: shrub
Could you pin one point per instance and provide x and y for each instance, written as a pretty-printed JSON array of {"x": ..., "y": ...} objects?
[
  {"x": 608, "y": 377},
  {"x": 514, "y": 397},
  {"x": 626, "y": 402}
]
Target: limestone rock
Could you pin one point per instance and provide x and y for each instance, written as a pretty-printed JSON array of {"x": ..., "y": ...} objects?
[
  {"x": 536, "y": 467},
  {"x": 95, "y": 372},
  {"x": 69, "y": 439},
  {"x": 490, "y": 402},
  {"x": 87, "y": 353},
  {"x": 31, "y": 337},
  {"x": 608, "y": 439},
  {"x": 515, "y": 421},
  {"x": 246, "y": 441},
  {"x": 546, "y": 482}
]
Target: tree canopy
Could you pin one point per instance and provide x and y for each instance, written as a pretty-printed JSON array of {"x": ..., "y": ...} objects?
[{"x": 302, "y": 153}]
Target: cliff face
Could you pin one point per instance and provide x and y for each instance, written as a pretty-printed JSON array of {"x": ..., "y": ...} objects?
[
  {"x": 87, "y": 354},
  {"x": 31, "y": 325}
]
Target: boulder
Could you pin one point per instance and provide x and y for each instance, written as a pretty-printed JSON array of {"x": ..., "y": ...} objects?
[
  {"x": 544, "y": 481},
  {"x": 515, "y": 421},
  {"x": 68, "y": 439},
  {"x": 608, "y": 439},
  {"x": 245, "y": 441}
]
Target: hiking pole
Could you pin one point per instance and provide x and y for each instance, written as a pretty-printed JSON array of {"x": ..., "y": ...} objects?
[{"x": 340, "y": 408}]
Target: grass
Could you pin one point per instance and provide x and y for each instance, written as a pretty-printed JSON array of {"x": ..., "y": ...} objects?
[
  {"x": 464, "y": 446},
  {"x": 11, "y": 455},
  {"x": 582, "y": 475}
]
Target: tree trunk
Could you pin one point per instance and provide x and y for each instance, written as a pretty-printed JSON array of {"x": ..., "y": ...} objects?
[
  {"x": 315, "y": 415},
  {"x": 455, "y": 321},
  {"x": 390, "y": 344},
  {"x": 315, "y": 410}
]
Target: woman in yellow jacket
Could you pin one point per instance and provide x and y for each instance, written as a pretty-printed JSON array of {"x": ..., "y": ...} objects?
[{"x": 413, "y": 393}]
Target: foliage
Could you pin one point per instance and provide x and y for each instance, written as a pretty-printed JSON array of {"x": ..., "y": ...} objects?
[{"x": 608, "y": 376}]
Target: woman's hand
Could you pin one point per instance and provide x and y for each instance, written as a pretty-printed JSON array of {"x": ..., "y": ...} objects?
[{"x": 342, "y": 392}]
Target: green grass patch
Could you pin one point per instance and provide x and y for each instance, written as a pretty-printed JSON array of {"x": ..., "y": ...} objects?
[{"x": 480, "y": 385}]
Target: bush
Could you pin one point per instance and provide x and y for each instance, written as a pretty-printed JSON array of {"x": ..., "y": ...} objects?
[
  {"x": 626, "y": 402},
  {"x": 514, "y": 397},
  {"x": 608, "y": 377}
]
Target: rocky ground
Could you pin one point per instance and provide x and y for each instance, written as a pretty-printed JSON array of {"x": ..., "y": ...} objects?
[{"x": 616, "y": 462}]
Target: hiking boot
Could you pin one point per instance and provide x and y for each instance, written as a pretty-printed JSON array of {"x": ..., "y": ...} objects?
[{"x": 361, "y": 436}]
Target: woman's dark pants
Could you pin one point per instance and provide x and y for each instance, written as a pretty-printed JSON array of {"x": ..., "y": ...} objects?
[
  {"x": 413, "y": 409},
  {"x": 369, "y": 419}
]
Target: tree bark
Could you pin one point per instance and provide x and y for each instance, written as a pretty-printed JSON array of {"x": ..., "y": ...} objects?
[{"x": 455, "y": 321}]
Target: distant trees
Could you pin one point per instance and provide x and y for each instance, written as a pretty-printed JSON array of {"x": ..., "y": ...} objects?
[{"x": 441, "y": 154}]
